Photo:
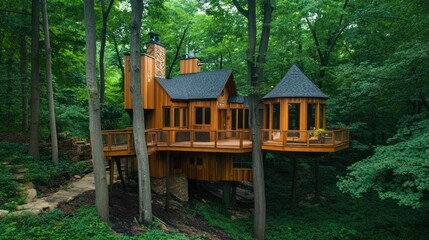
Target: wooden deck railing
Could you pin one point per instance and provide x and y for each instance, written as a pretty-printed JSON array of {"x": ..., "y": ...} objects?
[
  {"x": 310, "y": 138},
  {"x": 122, "y": 139}
]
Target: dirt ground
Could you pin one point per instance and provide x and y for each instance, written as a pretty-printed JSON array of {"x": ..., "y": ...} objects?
[{"x": 124, "y": 213}]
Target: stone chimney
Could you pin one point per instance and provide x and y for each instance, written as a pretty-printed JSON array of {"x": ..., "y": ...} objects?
[
  {"x": 189, "y": 64},
  {"x": 155, "y": 49}
]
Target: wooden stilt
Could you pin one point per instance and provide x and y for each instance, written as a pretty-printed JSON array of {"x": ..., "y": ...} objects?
[
  {"x": 229, "y": 193},
  {"x": 317, "y": 180},
  {"x": 121, "y": 176},
  {"x": 167, "y": 184},
  {"x": 294, "y": 178},
  {"x": 112, "y": 174}
]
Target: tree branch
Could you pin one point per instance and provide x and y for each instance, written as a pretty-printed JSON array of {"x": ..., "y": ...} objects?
[{"x": 243, "y": 11}]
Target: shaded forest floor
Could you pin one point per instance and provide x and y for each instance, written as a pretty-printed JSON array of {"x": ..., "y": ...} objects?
[{"x": 124, "y": 213}]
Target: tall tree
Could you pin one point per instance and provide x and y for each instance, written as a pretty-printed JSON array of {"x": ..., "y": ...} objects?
[
  {"x": 145, "y": 198},
  {"x": 52, "y": 122},
  {"x": 326, "y": 38},
  {"x": 255, "y": 75},
  {"x": 24, "y": 124},
  {"x": 34, "y": 148},
  {"x": 101, "y": 195},
  {"x": 105, "y": 14}
]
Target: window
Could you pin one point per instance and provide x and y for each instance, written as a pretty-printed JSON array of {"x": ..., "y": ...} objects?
[
  {"x": 311, "y": 116},
  {"x": 240, "y": 118},
  {"x": 202, "y": 115},
  {"x": 199, "y": 161},
  {"x": 267, "y": 116},
  {"x": 293, "y": 116},
  {"x": 192, "y": 161},
  {"x": 166, "y": 117},
  {"x": 276, "y": 116},
  {"x": 177, "y": 117},
  {"x": 242, "y": 162},
  {"x": 322, "y": 112},
  {"x": 180, "y": 117}
]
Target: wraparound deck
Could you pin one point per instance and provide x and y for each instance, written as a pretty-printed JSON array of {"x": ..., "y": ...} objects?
[{"x": 120, "y": 142}]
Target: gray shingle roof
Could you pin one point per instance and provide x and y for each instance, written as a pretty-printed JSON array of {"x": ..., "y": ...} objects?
[
  {"x": 295, "y": 84},
  {"x": 201, "y": 85},
  {"x": 239, "y": 99}
]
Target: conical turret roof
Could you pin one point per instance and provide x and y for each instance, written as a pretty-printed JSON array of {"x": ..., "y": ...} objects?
[{"x": 295, "y": 84}]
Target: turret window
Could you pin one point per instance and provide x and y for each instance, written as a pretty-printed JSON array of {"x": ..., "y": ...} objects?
[
  {"x": 311, "y": 116},
  {"x": 293, "y": 116}
]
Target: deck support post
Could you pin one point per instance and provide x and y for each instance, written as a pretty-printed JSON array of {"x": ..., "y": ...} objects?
[
  {"x": 229, "y": 193},
  {"x": 167, "y": 183},
  {"x": 112, "y": 175},
  {"x": 294, "y": 178},
  {"x": 121, "y": 176},
  {"x": 317, "y": 180}
]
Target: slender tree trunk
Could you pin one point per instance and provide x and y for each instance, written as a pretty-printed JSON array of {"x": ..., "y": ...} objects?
[
  {"x": 317, "y": 180},
  {"x": 9, "y": 91},
  {"x": 145, "y": 198},
  {"x": 52, "y": 122},
  {"x": 176, "y": 56},
  {"x": 255, "y": 76},
  {"x": 294, "y": 178},
  {"x": 34, "y": 147},
  {"x": 105, "y": 14},
  {"x": 120, "y": 65},
  {"x": 24, "y": 124},
  {"x": 101, "y": 195},
  {"x": 257, "y": 172}
]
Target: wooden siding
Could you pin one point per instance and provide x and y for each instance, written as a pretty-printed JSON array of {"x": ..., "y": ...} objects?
[
  {"x": 189, "y": 65},
  {"x": 199, "y": 166},
  {"x": 147, "y": 70}
]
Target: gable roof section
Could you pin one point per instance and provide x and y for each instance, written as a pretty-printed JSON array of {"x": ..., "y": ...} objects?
[
  {"x": 295, "y": 84},
  {"x": 201, "y": 85},
  {"x": 239, "y": 99}
]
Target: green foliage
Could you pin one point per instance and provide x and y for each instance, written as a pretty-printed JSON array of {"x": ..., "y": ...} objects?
[
  {"x": 216, "y": 217},
  {"x": 83, "y": 224},
  {"x": 400, "y": 170},
  {"x": 72, "y": 120},
  {"x": 10, "y": 193}
]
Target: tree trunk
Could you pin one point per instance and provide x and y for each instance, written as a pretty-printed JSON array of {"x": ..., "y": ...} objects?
[
  {"x": 9, "y": 90},
  {"x": 34, "y": 147},
  {"x": 101, "y": 195},
  {"x": 176, "y": 55},
  {"x": 120, "y": 65},
  {"x": 105, "y": 14},
  {"x": 52, "y": 122},
  {"x": 145, "y": 198},
  {"x": 255, "y": 76},
  {"x": 294, "y": 179},
  {"x": 257, "y": 172},
  {"x": 24, "y": 124}
]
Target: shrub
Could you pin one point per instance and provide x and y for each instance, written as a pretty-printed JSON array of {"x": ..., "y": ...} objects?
[{"x": 9, "y": 191}]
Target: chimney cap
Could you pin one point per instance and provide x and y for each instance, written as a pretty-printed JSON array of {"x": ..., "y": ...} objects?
[{"x": 154, "y": 38}]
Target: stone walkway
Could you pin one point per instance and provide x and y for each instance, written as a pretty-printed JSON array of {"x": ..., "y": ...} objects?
[{"x": 65, "y": 194}]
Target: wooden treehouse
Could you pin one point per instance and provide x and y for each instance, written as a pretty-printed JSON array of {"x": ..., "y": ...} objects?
[{"x": 197, "y": 125}]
